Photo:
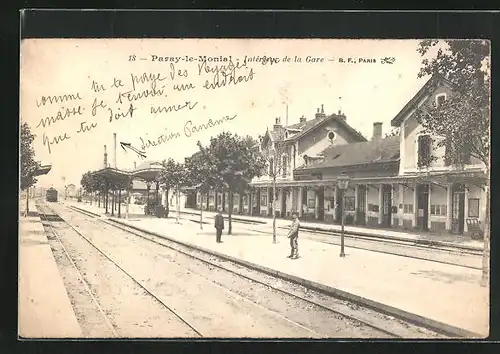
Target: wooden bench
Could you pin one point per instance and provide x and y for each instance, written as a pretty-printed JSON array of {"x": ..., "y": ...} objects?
[{"x": 474, "y": 227}]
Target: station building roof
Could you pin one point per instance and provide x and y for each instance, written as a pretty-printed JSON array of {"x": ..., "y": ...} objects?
[{"x": 355, "y": 154}]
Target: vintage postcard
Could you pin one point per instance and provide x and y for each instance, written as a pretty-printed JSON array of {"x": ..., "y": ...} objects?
[{"x": 254, "y": 188}]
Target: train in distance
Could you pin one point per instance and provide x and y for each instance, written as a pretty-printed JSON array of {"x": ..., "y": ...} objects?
[{"x": 51, "y": 195}]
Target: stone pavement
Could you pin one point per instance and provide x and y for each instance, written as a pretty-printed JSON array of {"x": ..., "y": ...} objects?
[
  {"x": 44, "y": 309},
  {"x": 445, "y": 293}
]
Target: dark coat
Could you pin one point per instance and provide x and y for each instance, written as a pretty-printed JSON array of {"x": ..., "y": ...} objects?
[{"x": 219, "y": 222}]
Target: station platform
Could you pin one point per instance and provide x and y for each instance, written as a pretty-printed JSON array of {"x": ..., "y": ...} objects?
[
  {"x": 423, "y": 238},
  {"x": 443, "y": 295},
  {"x": 44, "y": 309},
  {"x": 420, "y": 238}
]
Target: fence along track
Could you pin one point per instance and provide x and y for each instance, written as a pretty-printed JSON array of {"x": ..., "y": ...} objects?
[
  {"x": 147, "y": 236},
  {"x": 125, "y": 272}
]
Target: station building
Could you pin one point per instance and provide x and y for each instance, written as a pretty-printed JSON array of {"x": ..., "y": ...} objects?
[{"x": 393, "y": 181}]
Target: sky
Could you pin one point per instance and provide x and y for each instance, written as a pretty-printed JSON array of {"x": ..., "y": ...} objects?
[{"x": 128, "y": 78}]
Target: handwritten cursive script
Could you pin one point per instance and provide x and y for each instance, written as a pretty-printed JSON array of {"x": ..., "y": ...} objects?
[
  {"x": 55, "y": 140},
  {"x": 172, "y": 108},
  {"x": 227, "y": 75},
  {"x": 190, "y": 129},
  {"x": 161, "y": 139},
  {"x": 62, "y": 114},
  {"x": 57, "y": 99}
]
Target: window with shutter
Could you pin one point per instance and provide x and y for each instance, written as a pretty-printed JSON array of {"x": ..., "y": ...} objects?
[
  {"x": 460, "y": 156},
  {"x": 448, "y": 153},
  {"x": 284, "y": 168},
  {"x": 424, "y": 150},
  {"x": 464, "y": 154}
]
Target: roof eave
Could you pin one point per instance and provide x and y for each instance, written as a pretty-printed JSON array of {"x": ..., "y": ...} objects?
[
  {"x": 398, "y": 119},
  {"x": 305, "y": 132},
  {"x": 351, "y": 129},
  {"x": 317, "y": 168}
]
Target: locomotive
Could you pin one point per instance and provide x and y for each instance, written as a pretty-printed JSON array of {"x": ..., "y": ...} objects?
[{"x": 51, "y": 195}]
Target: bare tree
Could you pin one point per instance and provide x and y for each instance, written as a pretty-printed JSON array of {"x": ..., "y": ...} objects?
[{"x": 273, "y": 151}]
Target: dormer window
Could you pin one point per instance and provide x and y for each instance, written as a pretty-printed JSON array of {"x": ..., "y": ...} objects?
[{"x": 440, "y": 99}]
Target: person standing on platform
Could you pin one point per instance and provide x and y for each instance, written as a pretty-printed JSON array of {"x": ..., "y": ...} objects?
[
  {"x": 293, "y": 235},
  {"x": 219, "y": 225},
  {"x": 304, "y": 211}
]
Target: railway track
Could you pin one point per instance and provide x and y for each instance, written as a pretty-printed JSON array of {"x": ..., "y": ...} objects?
[
  {"x": 385, "y": 325},
  {"x": 48, "y": 217}
]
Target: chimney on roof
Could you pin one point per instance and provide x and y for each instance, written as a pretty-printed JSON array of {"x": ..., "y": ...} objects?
[
  {"x": 341, "y": 115},
  {"x": 302, "y": 119},
  {"x": 377, "y": 131},
  {"x": 277, "y": 124},
  {"x": 105, "y": 157},
  {"x": 320, "y": 113}
]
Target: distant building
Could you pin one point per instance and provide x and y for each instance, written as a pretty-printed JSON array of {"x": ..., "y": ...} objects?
[{"x": 71, "y": 191}]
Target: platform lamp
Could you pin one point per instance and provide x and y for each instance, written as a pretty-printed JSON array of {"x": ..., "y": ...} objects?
[{"x": 343, "y": 184}]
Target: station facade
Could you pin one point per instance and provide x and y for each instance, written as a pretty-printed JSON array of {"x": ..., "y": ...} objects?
[{"x": 403, "y": 181}]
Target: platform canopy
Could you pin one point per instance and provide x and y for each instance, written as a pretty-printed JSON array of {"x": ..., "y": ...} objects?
[
  {"x": 476, "y": 177},
  {"x": 43, "y": 170},
  {"x": 114, "y": 174},
  {"x": 441, "y": 178},
  {"x": 148, "y": 170}
]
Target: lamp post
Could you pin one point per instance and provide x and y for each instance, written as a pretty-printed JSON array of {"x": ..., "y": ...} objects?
[{"x": 343, "y": 184}]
